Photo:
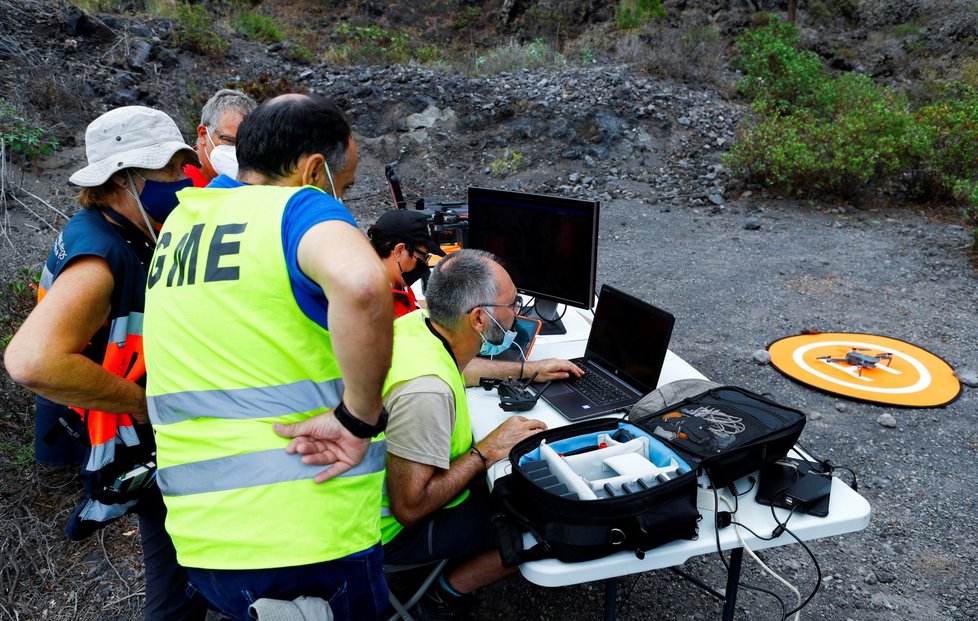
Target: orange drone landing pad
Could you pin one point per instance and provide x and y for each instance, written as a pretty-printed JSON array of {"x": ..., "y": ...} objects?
[{"x": 867, "y": 367}]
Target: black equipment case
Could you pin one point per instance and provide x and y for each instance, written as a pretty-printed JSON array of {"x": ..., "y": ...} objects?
[{"x": 602, "y": 486}]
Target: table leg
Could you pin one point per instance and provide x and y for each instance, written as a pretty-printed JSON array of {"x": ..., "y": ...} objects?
[
  {"x": 733, "y": 581},
  {"x": 610, "y": 595}
]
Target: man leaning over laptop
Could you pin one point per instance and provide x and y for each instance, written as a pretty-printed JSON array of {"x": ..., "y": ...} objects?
[{"x": 436, "y": 504}]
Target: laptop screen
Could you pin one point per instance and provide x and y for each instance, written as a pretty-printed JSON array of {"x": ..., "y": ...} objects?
[{"x": 629, "y": 338}]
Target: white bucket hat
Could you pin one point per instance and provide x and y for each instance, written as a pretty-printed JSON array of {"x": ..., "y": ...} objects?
[{"x": 128, "y": 137}]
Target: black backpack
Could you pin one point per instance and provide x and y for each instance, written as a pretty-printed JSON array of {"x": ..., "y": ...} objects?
[{"x": 716, "y": 437}]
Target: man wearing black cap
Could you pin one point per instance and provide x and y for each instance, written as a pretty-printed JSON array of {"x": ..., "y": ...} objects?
[{"x": 405, "y": 246}]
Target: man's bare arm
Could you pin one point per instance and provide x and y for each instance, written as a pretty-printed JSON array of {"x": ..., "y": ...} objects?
[
  {"x": 338, "y": 257},
  {"x": 45, "y": 353},
  {"x": 417, "y": 490},
  {"x": 547, "y": 370}
]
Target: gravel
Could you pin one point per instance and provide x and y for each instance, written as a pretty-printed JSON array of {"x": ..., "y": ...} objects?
[{"x": 738, "y": 266}]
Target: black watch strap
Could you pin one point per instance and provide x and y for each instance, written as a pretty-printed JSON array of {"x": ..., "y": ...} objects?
[{"x": 356, "y": 426}]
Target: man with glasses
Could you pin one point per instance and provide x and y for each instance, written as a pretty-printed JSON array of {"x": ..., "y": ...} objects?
[
  {"x": 437, "y": 505},
  {"x": 406, "y": 248},
  {"x": 217, "y": 134}
]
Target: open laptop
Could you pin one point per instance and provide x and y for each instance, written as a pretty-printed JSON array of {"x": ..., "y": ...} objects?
[{"x": 625, "y": 351}]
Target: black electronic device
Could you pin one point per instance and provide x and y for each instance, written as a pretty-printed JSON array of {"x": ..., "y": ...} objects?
[
  {"x": 622, "y": 361},
  {"x": 548, "y": 244},
  {"x": 515, "y": 395},
  {"x": 808, "y": 491},
  {"x": 447, "y": 219},
  {"x": 526, "y": 333},
  {"x": 795, "y": 484}
]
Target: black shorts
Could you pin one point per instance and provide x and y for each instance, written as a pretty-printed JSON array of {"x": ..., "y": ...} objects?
[{"x": 460, "y": 532}]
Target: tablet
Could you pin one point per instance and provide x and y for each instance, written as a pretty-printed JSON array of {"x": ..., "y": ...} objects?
[{"x": 526, "y": 333}]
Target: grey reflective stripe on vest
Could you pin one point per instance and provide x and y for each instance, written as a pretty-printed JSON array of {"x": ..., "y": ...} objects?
[
  {"x": 100, "y": 512},
  {"x": 245, "y": 403},
  {"x": 385, "y": 510},
  {"x": 47, "y": 279},
  {"x": 122, "y": 327},
  {"x": 103, "y": 454},
  {"x": 253, "y": 469}
]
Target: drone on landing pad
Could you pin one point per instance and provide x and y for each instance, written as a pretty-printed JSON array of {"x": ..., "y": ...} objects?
[{"x": 855, "y": 357}]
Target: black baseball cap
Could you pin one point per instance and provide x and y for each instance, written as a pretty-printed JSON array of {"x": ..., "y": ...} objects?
[{"x": 407, "y": 226}]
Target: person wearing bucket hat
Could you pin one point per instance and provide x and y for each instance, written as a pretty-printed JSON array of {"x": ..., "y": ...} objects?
[
  {"x": 266, "y": 305},
  {"x": 216, "y": 136},
  {"x": 80, "y": 349},
  {"x": 402, "y": 240}
]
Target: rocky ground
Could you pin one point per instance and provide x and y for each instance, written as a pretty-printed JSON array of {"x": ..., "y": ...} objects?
[{"x": 739, "y": 266}]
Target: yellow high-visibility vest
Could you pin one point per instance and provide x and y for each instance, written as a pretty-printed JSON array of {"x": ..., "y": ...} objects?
[
  {"x": 418, "y": 352},
  {"x": 229, "y": 352}
]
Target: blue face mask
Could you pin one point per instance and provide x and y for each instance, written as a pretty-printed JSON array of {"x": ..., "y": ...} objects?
[
  {"x": 159, "y": 198},
  {"x": 494, "y": 349}
]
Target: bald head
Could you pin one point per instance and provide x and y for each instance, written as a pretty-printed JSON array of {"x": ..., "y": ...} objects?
[{"x": 277, "y": 134}]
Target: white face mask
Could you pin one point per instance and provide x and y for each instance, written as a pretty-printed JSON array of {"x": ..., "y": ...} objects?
[{"x": 224, "y": 161}]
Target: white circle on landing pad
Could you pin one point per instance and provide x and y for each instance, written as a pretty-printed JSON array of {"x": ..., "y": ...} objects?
[{"x": 922, "y": 382}]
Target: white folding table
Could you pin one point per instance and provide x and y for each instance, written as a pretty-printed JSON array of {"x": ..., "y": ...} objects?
[{"x": 848, "y": 511}]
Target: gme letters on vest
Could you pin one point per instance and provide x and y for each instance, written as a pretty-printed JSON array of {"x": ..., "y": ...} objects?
[{"x": 219, "y": 261}]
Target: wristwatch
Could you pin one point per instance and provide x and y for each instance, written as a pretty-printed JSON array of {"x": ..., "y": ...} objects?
[{"x": 356, "y": 426}]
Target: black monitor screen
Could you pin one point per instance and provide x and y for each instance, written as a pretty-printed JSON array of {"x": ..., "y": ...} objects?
[{"x": 548, "y": 244}]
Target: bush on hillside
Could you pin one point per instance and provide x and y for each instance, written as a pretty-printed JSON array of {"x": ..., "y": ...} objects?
[
  {"x": 257, "y": 27},
  {"x": 515, "y": 56},
  {"x": 22, "y": 137},
  {"x": 370, "y": 45},
  {"x": 814, "y": 132},
  {"x": 630, "y": 14},
  {"x": 195, "y": 31}
]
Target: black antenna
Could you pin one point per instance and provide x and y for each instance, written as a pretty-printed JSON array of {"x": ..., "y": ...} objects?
[{"x": 395, "y": 187}]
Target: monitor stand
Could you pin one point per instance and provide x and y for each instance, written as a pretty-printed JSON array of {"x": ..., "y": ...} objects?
[{"x": 546, "y": 311}]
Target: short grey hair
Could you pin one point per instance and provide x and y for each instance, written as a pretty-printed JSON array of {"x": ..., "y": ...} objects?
[
  {"x": 459, "y": 282},
  {"x": 224, "y": 101}
]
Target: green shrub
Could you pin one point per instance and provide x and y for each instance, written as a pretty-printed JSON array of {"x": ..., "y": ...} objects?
[
  {"x": 815, "y": 133},
  {"x": 22, "y": 137},
  {"x": 907, "y": 29},
  {"x": 257, "y": 27},
  {"x": 298, "y": 52},
  {"x": 515, "y": 56},
  {"x": 509, "y": 163},
  {"x": 17, "y": 299},
  {"x": 631, "y": 14},
  {"x": 371, "y": 44},
  {"x": 944, "y": 156},
  {"x": 845, "y": 155},
  {"x": 778, "y": 76},
  {"x": 195, "y": 31}
]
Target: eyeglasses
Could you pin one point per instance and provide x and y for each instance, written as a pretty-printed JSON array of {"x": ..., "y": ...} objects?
[
  {"x": 516, "y": 306},
  {"x": 223, "y": 138},
  {"x": 424, "y": 257}
]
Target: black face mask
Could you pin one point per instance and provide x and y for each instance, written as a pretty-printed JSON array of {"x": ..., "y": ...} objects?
[{"x": 420, "y": 271}]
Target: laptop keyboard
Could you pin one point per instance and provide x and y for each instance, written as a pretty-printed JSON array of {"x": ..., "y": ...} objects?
[{"x": 595, "y": 387}]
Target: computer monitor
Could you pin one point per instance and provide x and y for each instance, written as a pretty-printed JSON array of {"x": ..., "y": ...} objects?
[{"x": 548, "y": 244}]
